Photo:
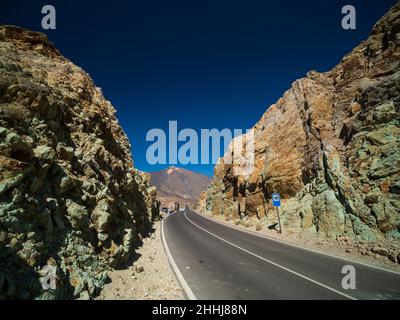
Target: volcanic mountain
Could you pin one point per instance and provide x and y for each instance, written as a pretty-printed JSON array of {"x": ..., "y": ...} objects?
[{"x": 178, "y": 185}]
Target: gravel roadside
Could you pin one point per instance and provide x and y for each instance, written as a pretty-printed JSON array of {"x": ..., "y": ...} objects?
[{"x": 149, "y": 278}]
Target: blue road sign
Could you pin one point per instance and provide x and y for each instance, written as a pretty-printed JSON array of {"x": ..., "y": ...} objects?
[{"x": 276, "y": 200}]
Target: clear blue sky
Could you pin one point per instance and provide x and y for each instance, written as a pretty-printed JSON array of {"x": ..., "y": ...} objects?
[{"x": 207, "y": 64}]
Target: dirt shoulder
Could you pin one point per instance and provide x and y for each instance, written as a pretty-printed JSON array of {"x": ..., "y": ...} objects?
[
  {"x": 377, "y": 254},
  {"x": 149, "y": 278}
]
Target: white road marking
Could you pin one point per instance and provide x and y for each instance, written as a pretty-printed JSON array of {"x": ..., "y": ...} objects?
[
  {"x": 295, "y": 245},
  {"x": 189, "y": 293},
  {"x": 271, "y": 262}
]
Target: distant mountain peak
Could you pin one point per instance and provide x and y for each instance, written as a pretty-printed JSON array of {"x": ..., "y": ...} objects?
[{"x": 178, "y": 184}]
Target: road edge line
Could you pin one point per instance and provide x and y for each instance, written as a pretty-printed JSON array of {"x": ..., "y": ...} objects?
[
  {"x": 188, "y": 292},
  {"x": 274, "y": 263},
  {"x": 295, "y": 245}
]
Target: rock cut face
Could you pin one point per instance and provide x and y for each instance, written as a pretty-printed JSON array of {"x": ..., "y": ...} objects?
[
  {"x": 69, "y": 194},
  {"x": 330, "y": 146}
]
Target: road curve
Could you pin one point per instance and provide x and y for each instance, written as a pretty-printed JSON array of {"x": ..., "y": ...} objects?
[{"x": 220, "y": 262}]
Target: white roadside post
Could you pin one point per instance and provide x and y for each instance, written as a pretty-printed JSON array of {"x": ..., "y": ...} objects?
[{"x": 276, "y": 202}]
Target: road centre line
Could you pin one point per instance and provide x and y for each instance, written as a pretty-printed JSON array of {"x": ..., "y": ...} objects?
[{"x": 271, "y": 262}]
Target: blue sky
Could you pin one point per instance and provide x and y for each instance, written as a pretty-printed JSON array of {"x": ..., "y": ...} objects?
[{"x": 206, "y": 64}]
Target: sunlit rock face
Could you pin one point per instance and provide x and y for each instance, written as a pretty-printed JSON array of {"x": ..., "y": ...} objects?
[
  {"x": 69, "y": 194},
  {"x": 330, "y": 146}
]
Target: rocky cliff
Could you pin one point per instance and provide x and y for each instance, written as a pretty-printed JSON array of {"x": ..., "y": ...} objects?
[
  {"x": 69, "y": 194},
  {"x": 330, "y": 146}
]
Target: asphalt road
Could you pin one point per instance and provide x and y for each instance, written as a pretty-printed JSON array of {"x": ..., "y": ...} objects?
[{"x": 220, "y": 262}]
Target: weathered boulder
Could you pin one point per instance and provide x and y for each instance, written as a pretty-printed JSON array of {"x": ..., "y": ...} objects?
[{"x": 380, "y": 251}]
